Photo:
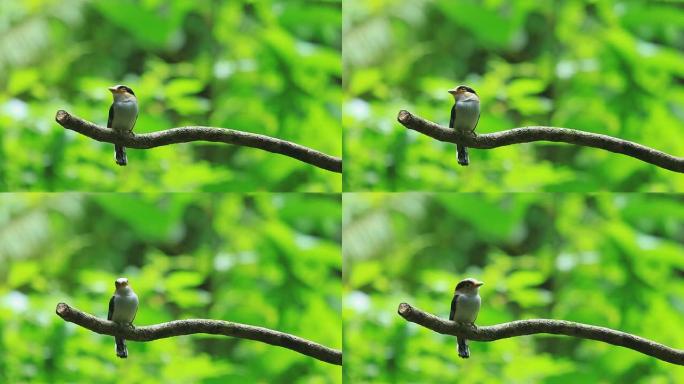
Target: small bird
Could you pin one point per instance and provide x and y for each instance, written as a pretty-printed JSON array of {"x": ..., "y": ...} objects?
[
  {"x": 122, "y": 117},
  {"x": 122, "y": 309},
  {"x": 465, "y": 114},
  {"x": 464, "y": 308}
]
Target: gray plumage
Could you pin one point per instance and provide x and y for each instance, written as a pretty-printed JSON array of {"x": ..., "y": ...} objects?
[
  {"x": 123, "y": 307},
  {"x": 465, "y": 114},
  {"x": 123, "y": 113},
  {"x": 465, "y": 306}
]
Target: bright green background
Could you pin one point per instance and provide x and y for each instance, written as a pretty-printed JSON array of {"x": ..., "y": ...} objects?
[
  {"x": 266, "y": 260},
  {"x": 608, "y": 260},
  {"x": 268, "y": 67},
  {"x": 611, "y": 67}
]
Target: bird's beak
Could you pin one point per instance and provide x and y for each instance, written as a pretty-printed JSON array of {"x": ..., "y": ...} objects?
[
  {"x": 112, "y": 89},
  {"x": 452, "y": 91},
  {"x": 479, "y": 284}
]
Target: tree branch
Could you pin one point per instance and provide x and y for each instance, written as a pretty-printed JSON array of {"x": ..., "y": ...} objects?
[
  {"x": 530, "y": 134},
  {"x": 192, "y": 326},
  {"x": 535, "y": 326},
  {"x": 194, "y": 133}
]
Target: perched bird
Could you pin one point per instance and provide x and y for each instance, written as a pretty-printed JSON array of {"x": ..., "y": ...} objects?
[
  {"x": 464, "y": 308},
  {"x": 122, "y": 309},
  {"x": 465, "y": 114},
  {"x": 122, "y": 117}
]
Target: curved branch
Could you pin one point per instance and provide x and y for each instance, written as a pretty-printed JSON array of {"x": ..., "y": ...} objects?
[
  {"x": 530, "y": 134},
  {"x": 192, "y": 326},
  {"x": 535, "y": 326},
  {"x": 195, "y": 133}
]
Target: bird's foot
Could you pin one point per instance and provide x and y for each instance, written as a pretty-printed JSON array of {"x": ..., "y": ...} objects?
[{"x": 467, "y": 324}]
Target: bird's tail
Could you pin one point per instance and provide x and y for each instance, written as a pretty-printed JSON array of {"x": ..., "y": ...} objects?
[
  {"x": 462, "y": 154},
  {"x": 121, "y": 349},
  {"x": 463, "y": 350},
  {"x": 120, "y": 154}
]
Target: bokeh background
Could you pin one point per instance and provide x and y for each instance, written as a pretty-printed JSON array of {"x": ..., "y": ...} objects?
[
  {"x": 268, "y": 67},
  {"x": 611, "y": 67},
  {"x": 264, "y": 260},
  {"x": 609, "y": 260}
]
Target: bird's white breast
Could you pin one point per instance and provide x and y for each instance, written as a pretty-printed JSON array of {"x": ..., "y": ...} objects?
[
  {"x": 125, "y": 308},
  {"x": 467, "y": 308},
  {"x": 467, "y": 114},
  {"x": 125, "y": 113}
]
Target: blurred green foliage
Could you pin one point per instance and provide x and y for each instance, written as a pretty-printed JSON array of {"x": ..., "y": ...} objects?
[
  {"x": 269, "y": 67},
  {"x": 266, "y": 260},
  {"x": 611, "y": 67},
  {"x": 608, "y": 260}
]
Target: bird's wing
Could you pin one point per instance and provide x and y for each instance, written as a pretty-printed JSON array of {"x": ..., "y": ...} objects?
[
  {"x": 453, "y": 116},
  {"x": 136, "y": 120},
  {"x": 111, "y": 116},
  {"x": 111, "y": 302},
  {"x": 454, "y": 302},
  {"x": 136, "y": 312}
]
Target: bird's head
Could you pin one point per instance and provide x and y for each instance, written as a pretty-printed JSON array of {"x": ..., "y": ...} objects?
[
  {"x": 461, "y": 91},
  {"x": 121, "y": 282},
  {"x": 121, "y": 93},
  {"x": 468, "y": 286}
]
